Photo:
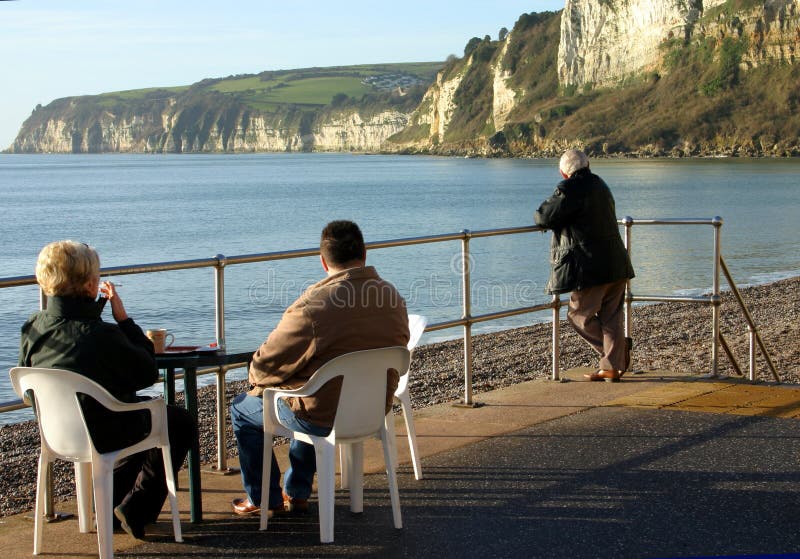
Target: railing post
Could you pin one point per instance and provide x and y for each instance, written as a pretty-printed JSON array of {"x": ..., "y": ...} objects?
[
  {"x": 219, "y": 310},
  {"x": 715, "y": 296},
  {"x": 556, "y": 373},
  {"x": 752, "y": 334},
  {"x": 222, "y": 450},
  {"x": 467, "y": 316},
  {"x": 219, "y": 300},
  {"x": 628, "y": 223}
]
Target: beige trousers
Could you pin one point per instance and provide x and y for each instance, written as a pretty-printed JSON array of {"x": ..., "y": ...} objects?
[{"x": 596, "y": 314}]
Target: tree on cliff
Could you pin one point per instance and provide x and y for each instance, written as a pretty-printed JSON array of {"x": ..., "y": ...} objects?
[{"x": 472, "y": 44}]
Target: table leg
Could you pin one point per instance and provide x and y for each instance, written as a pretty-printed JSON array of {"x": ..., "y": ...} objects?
[
  {"x": 195, "y": 492},
  {"x": 169, "y": 386}
]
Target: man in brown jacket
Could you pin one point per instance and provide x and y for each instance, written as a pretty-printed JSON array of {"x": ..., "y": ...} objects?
[{"x": 351, "y": 309}]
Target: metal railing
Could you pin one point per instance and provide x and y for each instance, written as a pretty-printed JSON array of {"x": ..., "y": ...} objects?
[
  {"x": 220, "y": 262},
  {"x": 714, "y": 299}
]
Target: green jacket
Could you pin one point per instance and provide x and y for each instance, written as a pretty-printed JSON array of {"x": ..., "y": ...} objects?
[
  {"x": 586, "y": 249},
  {"x": 70, "y": 335}
]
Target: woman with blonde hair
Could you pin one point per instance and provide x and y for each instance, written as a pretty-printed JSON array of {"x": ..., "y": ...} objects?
[{"x": 70, "y": 334}]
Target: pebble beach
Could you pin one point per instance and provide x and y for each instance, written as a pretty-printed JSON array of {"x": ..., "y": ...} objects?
[{"x": 675, "y": 337}]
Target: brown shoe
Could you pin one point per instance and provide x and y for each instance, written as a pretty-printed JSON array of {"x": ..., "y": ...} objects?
[
  {"x": 299, "y": 506},
  {"x": 608, "y": 376},
  {"x": 243, "y": 507}
]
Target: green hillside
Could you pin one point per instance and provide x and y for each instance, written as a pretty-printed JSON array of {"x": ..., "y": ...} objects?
[{"x": 308, "y": 86}]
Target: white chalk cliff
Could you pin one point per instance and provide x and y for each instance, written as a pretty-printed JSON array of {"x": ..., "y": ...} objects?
[
  {"x": 504, "y": 98},
  {"x": 605, "y": 42},
  {"x": 251, "y": 133}
]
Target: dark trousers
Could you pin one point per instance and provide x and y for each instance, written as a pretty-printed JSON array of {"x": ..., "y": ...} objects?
[
  {"x": 596, "y": 314},
  {"x": 139, "y": 481}
]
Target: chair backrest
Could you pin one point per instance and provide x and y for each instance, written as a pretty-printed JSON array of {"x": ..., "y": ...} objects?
[
  {"x": 61, "y": 425},
  {"x": 362, "y": 401},
  {"x": 416, "y": 326}
]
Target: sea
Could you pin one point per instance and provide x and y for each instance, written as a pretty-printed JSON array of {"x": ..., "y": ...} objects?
[{"x": 143, "y": 209}]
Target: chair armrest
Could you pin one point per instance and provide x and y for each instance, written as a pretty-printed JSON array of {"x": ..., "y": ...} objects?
[
  {"x": 270, "y": 396},
  {"x": 153, "y": 405},
  {"x": 270, "y": 399},
  {"x": 156, "y": 406},
  {"x": 310, "y": 388}
]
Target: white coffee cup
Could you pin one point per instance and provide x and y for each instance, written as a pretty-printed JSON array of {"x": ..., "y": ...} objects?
[{"x": 159, "y": 337}]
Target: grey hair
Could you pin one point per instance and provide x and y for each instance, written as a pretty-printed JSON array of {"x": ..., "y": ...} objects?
[
  {"x": 64, "y": 267},
  {"x": 573, "y": 161}
]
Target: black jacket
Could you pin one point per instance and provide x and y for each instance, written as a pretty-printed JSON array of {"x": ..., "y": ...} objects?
[
  {"x": 587, "y": 249},
  {"x": 70, "y": 335}
]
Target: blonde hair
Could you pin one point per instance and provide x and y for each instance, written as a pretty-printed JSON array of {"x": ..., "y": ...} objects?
[
  {"x": 64, "y": 267},
  {"x": 572, "y": 161}
]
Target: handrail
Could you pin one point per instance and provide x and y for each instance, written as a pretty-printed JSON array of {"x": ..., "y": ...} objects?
[
  {"x": 220, "y": 262},
  {"x": 276, "y": 255},
  {"x": 751, "y": 327},
  {"x": 714, "y": 299}
]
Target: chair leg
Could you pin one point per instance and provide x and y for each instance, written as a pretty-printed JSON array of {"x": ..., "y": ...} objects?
[
  {"x": 169, "y": 473},
  {"x": 266, "y": 474},
  {"x": 344, "y": 466},
  {"x": 83, "y": 491},
  {"x": 391, "y": 475},
  {"x": 405, "y": 403},
  {"x": 41, "y": 497},
  {"x": 390, "y": 429},
  {"x": 356, "y": 474},
  {"x": 103, "y": 477},
  {"x": 325, "y": 452}
]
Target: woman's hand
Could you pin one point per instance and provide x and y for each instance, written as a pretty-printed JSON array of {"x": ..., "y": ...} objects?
[{"x": 117, "y": 308}]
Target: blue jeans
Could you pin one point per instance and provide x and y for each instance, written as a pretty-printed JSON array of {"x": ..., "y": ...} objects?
[{"x": 247, "y": 417}]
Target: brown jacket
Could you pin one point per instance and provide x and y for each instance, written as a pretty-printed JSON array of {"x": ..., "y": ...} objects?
[{"x": 349, "y": 311}]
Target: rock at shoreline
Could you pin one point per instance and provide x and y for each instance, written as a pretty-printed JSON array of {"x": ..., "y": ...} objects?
[{"x": 666, "y": 337}]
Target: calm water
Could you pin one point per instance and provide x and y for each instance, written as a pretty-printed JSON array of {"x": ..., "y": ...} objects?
[{"x": 139, "y": 209}]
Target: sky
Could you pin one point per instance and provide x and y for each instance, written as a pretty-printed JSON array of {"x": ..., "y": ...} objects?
[{"x": 61, "y": 48}]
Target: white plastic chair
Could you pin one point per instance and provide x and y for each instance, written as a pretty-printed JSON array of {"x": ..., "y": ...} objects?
[
  {"x": 360, "y": 415},
  {"x": 416, "y": 327},
  {"x": 64, "y": 434}
]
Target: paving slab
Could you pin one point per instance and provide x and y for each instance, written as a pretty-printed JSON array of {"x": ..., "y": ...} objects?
[
  {"x": 540, "y": 469},
  {"x": 607, "y": 482}
]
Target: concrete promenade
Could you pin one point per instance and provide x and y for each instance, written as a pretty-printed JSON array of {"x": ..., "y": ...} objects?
[{"x": 658, "y": 465}]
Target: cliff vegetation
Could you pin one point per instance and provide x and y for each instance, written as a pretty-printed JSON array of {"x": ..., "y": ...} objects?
[{"x": 723, "y": 83}]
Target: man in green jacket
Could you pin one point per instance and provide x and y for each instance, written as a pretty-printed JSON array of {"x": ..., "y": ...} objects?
[{"x": 588, "y": 258}]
